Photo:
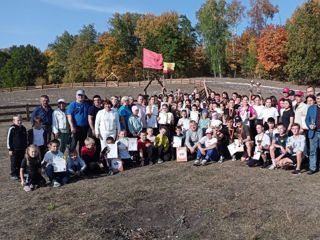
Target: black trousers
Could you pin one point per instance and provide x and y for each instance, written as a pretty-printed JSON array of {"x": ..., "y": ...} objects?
[
  {"x": 16, "y": 159},
  {"x": 35, "y": 178},
  {"x": 79, "y": 136},
  {"x": 164, "y": 155}
]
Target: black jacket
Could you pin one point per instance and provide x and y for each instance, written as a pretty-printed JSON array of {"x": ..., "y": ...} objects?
[{"x": 17, "y": 138}]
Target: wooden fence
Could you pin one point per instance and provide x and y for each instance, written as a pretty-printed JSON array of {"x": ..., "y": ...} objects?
[{"x": 25, "y": 110}]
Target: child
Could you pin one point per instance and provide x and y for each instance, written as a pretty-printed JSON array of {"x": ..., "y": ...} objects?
[
  {"x": 278, "y": 147},
  {"x": 123, "y": 152},
  {"x": 207, "y": 149},
  {"x": 161, "y": 144},
  {"x": 180, "y": 135},
  {"x": 184, "y": 122},
  {"x": 204, "y": 120},
  {"x": 31, "y": 169},
  {"x": 150, "y": 135},
  {"x": 112, "y": 165},
  {"x": 57, "y": 178},
  {"x": 135, "y": 123},
  {"x": 194, "y": 113},
  {"x": 166, "y": 119},
  {"x": 75, "y": 165},
  {"x": 17, "y": 144},
  {"x": 263, "y": 143},
  {"x": 146, "y": 150},
  {"x": 88, "y": 154},
  {"x": 37, "y": 135}
]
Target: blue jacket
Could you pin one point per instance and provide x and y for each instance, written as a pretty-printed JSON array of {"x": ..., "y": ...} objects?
[
  {"x": 311, "y": 118},
  {"x": 76, "y": 165}
]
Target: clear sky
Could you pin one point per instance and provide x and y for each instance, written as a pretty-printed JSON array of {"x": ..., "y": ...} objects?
[{"x": 38, "y": 22}]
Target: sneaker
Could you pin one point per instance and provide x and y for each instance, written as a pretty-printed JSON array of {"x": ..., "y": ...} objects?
[
  {"x": 234, "y": 158},
  {"x": 56, "y": 184},
  {"x": 221, "y": 159},
  {"x": 14, "y": 178},
  {"x": 272, "y": 167},
  {"x": 160, "y": 161},
  {"x": 32, "y": 187},
  {"x": 26, "y": 188},
  {"x": 296, "y": 171},
  {"x": 204, "y": 162},
  {"x": 196, "y": 162}
]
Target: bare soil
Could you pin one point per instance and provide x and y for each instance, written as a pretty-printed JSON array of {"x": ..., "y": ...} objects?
[{"x": 162, "y": 201}]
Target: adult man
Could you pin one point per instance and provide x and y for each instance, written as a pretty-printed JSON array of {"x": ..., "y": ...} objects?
[
  {"x": 193, "y": 135},
  {"x": 310, "y": 91},
  {"x": 44, "y": 111},
  {"x": 77, "y": 114},
  {"x": 60, "y": 126},
  {"x": 300, "y": 111},
  {"x": 313, "y": 124}
]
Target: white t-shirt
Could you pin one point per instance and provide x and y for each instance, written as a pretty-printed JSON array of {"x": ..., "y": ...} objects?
[
  {"x": 184, "y": 123},
  {"x": 265, "y": 141},
  {"x": 259, "y": 110},
  {"x": 208, "y": 142},
  {"x": 297, "y": 143},
  {"x": 49, "y": 156},
  {"x": 165, "y": 118},
  {"x": 268, "y": 113}
]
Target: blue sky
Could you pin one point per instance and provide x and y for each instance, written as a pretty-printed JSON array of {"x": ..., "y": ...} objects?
[{"x": 38, "y": 22}]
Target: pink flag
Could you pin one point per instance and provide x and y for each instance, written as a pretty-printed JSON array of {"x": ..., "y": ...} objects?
[{"x": 152, "y": 60}]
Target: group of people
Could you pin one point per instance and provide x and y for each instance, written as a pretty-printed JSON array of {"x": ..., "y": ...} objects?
[{"x": 271, "y": 133}]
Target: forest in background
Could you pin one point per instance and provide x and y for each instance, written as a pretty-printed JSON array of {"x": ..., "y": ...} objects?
[{"x": 213, "y": 47}]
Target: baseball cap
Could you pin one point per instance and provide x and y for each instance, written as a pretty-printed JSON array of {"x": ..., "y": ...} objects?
[
  {"x": 81, "y": 92},
  {"x": 61, "y": 100},
  {"x": 209, "y": 130},
  {"x": 291, "y": 93},
  {"x": 237, "y": 119},
  {"x": 299, "y": 93},
  {"x": 285, "y": 90},
  {"x": 134, "y": 108}
]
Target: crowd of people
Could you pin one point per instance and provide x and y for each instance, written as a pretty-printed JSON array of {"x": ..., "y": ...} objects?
[{"x": 267, "y": 132}]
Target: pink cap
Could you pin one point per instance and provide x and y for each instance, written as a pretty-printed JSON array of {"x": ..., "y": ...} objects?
[
  {"x": 285, "y": 90},
  {"x": 299, "y": 93}
]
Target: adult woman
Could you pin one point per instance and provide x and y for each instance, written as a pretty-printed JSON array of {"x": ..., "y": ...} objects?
[
  {"x": 152, "y": 112},
  {"x": 107, "y": 123},
  {"x": 269, "y": 112},
  {"x": 288, "y": 115},
  {"x": 246, "y": 112},
  {"x": 124, "y": 113}
]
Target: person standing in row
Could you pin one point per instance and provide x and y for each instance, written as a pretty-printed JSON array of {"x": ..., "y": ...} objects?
[
  {"x": 60, "y": 125},
  {"x": 77, "y": 114}
]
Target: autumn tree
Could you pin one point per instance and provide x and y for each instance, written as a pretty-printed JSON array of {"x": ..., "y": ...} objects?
[
  {"x": 260, "y": 12},
  {"x": 271, "y": 50},
  {"x": 303, "y": 44},
  {"x": 213, "y": 26}
]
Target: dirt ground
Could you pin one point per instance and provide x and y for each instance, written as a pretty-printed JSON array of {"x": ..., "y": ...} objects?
[{"x": 162, "y": 201}]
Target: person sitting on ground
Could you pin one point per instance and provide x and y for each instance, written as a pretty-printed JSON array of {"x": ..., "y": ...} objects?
[
  {"x": 295, "y": 148},
  {"x": 193, "y": 135},
  {"x": 112, "y": 165},
  {"x": 242, "y": 133},
  {"x": 75, "y": 165},
  {"x": 278, "y": 147},
  {"x": 150, "y": 135},
  {"x": 146, "y": 150},
  {"x": 207, "y": 149},
  {"x": 30, "y": 170},
  {"x": 56, "y": 178},
  {"x": 178, "y": 134},
  {"x": 162, "y": 145},
  {"x": 88, "y": 154},
  {"x": 272, "y": 130},
  {"x": 263, "y": 143}
]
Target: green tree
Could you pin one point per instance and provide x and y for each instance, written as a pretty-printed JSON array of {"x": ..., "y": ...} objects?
[
  {"x": 303, "y": 44},
  {"x": 58, "y": 53},
  {"x": 250, "y": 62},
  {"x": 25, "y": 65},
  {"x": 214, "y": 28}
]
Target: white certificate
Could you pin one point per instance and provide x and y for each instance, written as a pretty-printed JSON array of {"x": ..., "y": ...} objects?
[
  {"x": 113, "y": 151},
  {"x": 59, "y": 164},
  {"x": 177, "y": 141},
  {"x": 133, "y": 144}
]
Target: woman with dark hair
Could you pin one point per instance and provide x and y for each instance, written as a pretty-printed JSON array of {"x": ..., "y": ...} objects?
[
  {"x": 288, "y": 115},
  {"x": 107, "y": 123},
  {"x": 274, "y": 101}
]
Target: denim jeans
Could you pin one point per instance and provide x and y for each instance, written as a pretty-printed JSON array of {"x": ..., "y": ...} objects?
[
  {"x": 61, "y": 177},
  {"x": 314, "y": 145},
  {"x": 211, "y": 155}
]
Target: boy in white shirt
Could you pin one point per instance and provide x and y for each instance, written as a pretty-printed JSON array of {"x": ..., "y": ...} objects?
[
  {"x": 184, "y": 122},
  {"x": 207, "y": 149}
]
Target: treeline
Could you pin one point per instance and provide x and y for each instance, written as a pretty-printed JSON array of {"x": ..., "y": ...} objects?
[{"x": 212, "y": 47}]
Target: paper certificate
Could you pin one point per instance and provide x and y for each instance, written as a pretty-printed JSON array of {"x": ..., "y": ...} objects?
[
  {"x": 177, "y": 141},
  {"x": 132, "y": 144},
  {"x": 59, "y": 164},
  {"x": 182, "y": 154},
  {"x": 113, "y": 153},
  {"x": 235, "y": 147}
]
